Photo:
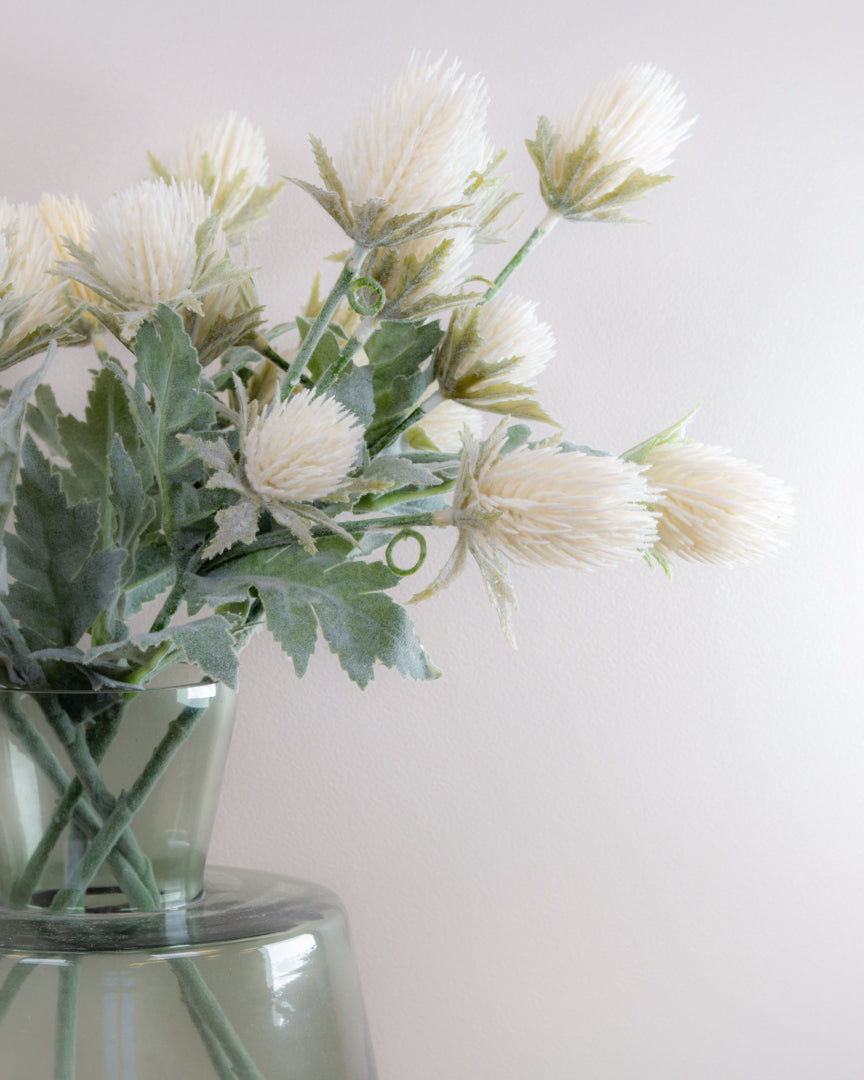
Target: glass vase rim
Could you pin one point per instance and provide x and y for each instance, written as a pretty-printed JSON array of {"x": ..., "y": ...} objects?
[{"x": 193, "y": 680}]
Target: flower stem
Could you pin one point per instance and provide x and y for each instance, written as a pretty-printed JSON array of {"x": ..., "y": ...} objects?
[
  {"x": 67, "y": 1020},
  {"x": 64, "y": 811},
  {"x": 336, "y": 369},
  {"x": 393, "y": 433},
  {"x": 124, "y": 809},
  {"x": 540, "y": 233},
  {"x": 350, "y": 270}
]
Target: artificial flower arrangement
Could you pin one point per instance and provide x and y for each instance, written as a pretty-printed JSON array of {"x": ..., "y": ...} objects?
[
  {"x": 251, "y": 482},
  {"x": 229, "y": 474}
]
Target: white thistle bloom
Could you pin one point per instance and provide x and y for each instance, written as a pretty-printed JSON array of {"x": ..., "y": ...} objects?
[
  {"x": 301, "y": 449},
  {"x": 67, "y": 219},
  {"x": 229, "y": 161},
  {"x": 493, "y": 355},
  {"x": 29, "y": 291},
  {"x": 614, "y": 146},
  {"x": 424, "y": 276},
  {"x": 565, "y": 509},
  {"x": 714, "y": 507},
  {"x": 543, "y": 507},
  {"x": 421, "y": 140},
  {"x": 143, "y": 242},
  {"x": 442, "y": 427}
]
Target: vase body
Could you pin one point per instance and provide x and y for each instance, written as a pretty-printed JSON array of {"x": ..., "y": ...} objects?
[{"x": 170, "y": 973}]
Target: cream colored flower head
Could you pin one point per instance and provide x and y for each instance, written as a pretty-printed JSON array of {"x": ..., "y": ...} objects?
[
  {"x": 715, "y": 508},
  {"x": 541, "y": 506},
  {"x": 297, "y": 452},
  {"x": 30, "y": 297},
  {"x": 550, "y": 508},
  {"x": 67, "y": 219},
  {"x": 493, "y": 354},
  {"x": 424, "y": 276},
  {"x": 301, "y": 449},
  {"x": 229, "y": 161},
  {"x": 613, "y": 147},
  {"x": 144, "y": 242},
  {"x": 406, "y": 165},
  {"x": 441, "y": 429},
  {"x": 420, "y": 141}
]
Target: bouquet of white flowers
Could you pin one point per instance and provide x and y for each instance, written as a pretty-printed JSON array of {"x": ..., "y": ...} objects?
[
  {"x": 239, "y": 481},
  {"x": 228, "y": 473}
]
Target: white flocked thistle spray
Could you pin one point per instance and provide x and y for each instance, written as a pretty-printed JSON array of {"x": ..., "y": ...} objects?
[
  {"x": 404, "y": 400},
  {"x": 228, "y": 474}
]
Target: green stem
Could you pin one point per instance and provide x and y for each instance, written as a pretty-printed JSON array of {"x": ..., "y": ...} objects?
[
  {"x": 67, "y": 1020},
  {"x": 64, "y": 811},
  {"x": 540, "y": 233},
  {"x": 12, "y": 984},
  {"x": 127, "y": 804},
  {"x": 350, "y": 270},
  {"x": 337, "y": 368},
  {"x": 40, "y": 752},
  {"x": 370, "y": 503},
  {"x": 75, "y": 742},
  {"x": 393, "y": 433}
]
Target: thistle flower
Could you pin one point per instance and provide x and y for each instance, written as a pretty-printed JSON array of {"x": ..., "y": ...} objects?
[
  {"x": 492, "y": 355},
  {"x": 153, "y": 243},
  {"x": 301, "y": 449},
  {"x": 715, "y": 508},
  {"x": 229, "y": 161},
  {"x": 441, "y": 428},
  {"x": 67, "y": 218},
  {"x": 28, "y": 297},
  {"x": 297, "y": 452},
  {"x": 405, "y": 167},
  {"x": 612, "y": 149},
  {"x": 543, "y": 507},
  {"x": 424, "y": 276}
]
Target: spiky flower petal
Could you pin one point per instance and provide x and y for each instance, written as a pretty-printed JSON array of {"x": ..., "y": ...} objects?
[
  {"x": 614, "y": 147},
  {"x": 716, "y": 508},
  {"x": 301, "y": 449}
]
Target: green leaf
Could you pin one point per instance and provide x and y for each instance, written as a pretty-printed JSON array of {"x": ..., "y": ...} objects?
[
  {"x": 341, "y": 596},
  {"x": 11, "y": 421},
  {"x": 168, "y": 366},
  {"x": 400, "y": 375},
  {"x": 154, "y": 573},
  {"x": 61, "y": 586},
  {"x": 43, "y": 415}
]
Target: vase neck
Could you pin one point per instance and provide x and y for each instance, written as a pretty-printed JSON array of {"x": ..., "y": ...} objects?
[{"x": 107, "y": 801}]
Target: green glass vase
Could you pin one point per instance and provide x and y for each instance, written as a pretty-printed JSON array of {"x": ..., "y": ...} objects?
[{"x": 121, "y": 956}]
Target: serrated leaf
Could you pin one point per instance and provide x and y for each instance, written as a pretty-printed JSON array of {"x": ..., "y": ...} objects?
[
  {"x": 398, "y": 353},
  {"x": 344, "y": 598},
  {"x": 154, "y": 573},
  {"x": 400, "y": 472},
  {"x": 11, "y": 422},
  {"x": 167, "y": 365},
  {"x": 60, "y": 587},
  {"x": 43, "y": 414}
]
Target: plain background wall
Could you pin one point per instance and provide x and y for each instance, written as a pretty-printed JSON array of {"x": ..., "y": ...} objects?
[{"x": 634, "y": 849}]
